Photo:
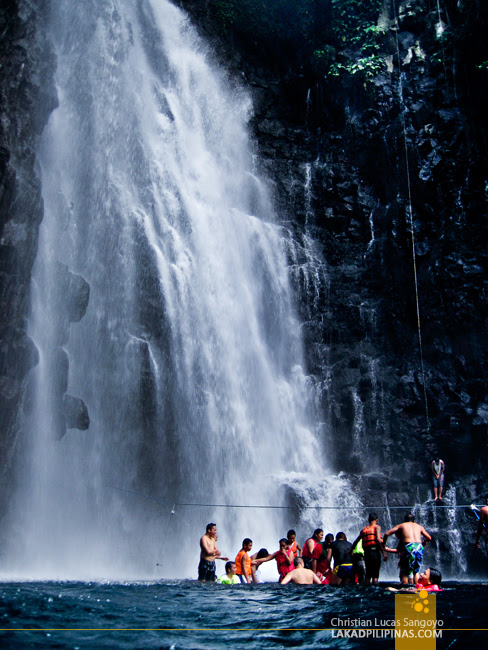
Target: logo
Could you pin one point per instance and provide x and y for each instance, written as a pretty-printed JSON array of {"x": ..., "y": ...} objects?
[{"x": 416, "y": 624}]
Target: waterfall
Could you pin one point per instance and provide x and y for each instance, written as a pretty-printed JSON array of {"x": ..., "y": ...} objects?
[{"x": 189, "y": 356}]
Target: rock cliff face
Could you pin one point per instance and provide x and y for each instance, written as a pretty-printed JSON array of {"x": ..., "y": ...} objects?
[
  {"x": 27, "y": 97},
  {"x": 394, "y": 320}
]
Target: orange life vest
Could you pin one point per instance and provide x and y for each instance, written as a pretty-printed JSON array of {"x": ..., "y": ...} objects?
[
  {"x": 294, "y": 548},
  {"x": 368, "y": 535},
  {"x": 243, "y": 557}
]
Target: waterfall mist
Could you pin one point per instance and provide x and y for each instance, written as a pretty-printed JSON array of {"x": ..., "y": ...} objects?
[{"x": 189, "y": 355}]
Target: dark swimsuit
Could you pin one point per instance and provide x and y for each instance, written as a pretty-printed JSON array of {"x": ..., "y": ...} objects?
[{"x": 206, "y": 571}]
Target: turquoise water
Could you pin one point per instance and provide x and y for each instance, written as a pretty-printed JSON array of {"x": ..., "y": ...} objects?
[{"x": 180, "y": 615}]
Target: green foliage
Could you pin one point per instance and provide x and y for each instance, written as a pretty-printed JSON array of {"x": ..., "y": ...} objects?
[
  {"x": 355, "y": 30},
  {"x": 483, "y": 66},
  {"x": 354, "y": 21},
  {"x": 331, "y": 37},
  {"x": 367, "y": 67}
]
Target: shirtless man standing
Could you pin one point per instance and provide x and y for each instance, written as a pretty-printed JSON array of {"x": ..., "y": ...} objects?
[
  {"x": 300, "y": 575},
  {"x": 483, "y": 525},
  {"x": 208, "y": 554},
  {"x": 412, "y": 538}
]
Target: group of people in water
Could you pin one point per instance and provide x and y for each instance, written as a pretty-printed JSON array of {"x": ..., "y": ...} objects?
[{"x": 327, "y": 560}]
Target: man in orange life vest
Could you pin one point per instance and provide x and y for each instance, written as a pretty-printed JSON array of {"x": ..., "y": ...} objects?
[
  {"x": 372, "y": 541},
  {"x": 243, "y": 562}
]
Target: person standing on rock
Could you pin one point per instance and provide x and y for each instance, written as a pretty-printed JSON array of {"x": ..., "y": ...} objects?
[{"x": 438, "y": 473}]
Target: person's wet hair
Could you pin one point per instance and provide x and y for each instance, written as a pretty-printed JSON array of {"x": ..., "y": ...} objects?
[
  {"x": 263, "y": 552},
  {"x": 246, "y": 541},
  {"x": 409, "y": 517},
  {"x": 290, "y": 532},
  {"x": 372, "y": 516},
  {"x": 341, "y": 536},
  {"x": 227, "y": 566},
  {"x": 209, "y": 527},
  {"x": 317, "y": 531},
  {"x": 298, "y": 562},
  {"x": 283, "y": 540},
  {"x": 435, "y": 576},
  {"x": 329, "y": 538}
]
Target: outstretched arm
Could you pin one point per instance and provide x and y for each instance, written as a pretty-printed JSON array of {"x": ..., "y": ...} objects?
[{"x": 261, "y": 560}]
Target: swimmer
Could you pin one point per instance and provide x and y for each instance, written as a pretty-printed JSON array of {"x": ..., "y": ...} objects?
[
  {"x": 300, "y": 575},
  {"x": 430, "y": 580},
  {"x": 229, "y": 577}
]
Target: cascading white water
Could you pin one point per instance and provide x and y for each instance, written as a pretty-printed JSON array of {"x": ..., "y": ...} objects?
[{"x": 189, "y": 356}]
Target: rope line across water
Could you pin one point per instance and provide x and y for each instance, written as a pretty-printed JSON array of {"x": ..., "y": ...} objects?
[{"x": 270, "y": 507}]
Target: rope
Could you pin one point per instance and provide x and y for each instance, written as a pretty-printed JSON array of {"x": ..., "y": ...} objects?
[
  {"x": 271, "y": 507},
  {"x": 410, "y": 214}
]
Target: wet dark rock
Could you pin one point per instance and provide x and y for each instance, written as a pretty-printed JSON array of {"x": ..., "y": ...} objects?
[
  {"x": 74, "y": 294},
  {"x": 75, "y": 413}
]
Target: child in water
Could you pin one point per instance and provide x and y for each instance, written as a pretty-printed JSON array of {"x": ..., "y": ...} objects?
[{"x": 430, "y": 580}]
